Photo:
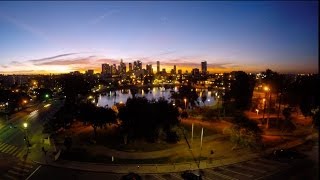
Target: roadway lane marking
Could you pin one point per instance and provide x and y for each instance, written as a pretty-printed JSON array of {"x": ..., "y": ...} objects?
[
  {"x": 176, "y": 176},
  {"x": 158, "y": 177},
  {"x": 25, "y": 164},
  {"x": 17, "y": 152},
  {"x": 221, "y": 175},
  {"x": 248, "y": 175},
  {"x": 5, "y": 147},
  {"x": 33, "y": 172},
  {"x": 10, "y": 149},
  {"x": 249, "y": 168},
  {"x": 206, "y": 178},
  {"x": 274, "y": 172},
  {"x": 262, "y": 165},
  {"x": 15, "y": 173},
  {"x": 18, "y": 168},
  {"x": 2, "y": 145},
  {"x": 9, "y": 176},
  {"x": 272, "y": 162}
]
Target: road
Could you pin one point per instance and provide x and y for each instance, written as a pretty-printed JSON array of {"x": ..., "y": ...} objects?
[
  {"x": 253, "y": 169},
  {"x": 14, "y": 162},
  {"x": 258, "y": 169}
]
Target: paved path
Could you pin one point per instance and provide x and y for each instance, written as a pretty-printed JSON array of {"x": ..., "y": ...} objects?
[{"x": 165, "y": 168}]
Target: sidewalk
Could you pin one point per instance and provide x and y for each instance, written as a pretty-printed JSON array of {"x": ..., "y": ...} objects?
[{"x": 166, "y": 168}]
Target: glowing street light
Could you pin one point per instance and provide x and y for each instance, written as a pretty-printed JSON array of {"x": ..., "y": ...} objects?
[
  {"x": 25, "y": 125},
  {"x": 267, "y": 90},
  {"x": 185, "y": 103}
]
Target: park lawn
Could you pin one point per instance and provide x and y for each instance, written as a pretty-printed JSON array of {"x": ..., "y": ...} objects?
[
  {"x": 83, "y": 155},
  {"x": 197, "y": 130}
]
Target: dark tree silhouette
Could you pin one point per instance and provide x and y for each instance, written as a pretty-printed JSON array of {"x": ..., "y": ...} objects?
[
  {"x": 144, "y": 119},
  {"x": 97, "y": 117},
  {"x": 241, "y": 90}
]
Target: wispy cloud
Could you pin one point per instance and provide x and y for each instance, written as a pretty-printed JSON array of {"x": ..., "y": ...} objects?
[
  {"x": 26, "y": 27},
  {"x": 53, "y": 57},
  {"x": 64, "y": 62},
  {"x": 102, "y": 17}
]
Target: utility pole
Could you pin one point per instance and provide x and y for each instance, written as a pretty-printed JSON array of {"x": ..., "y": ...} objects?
[
  {"x": 192, "y": 134},
  {"x": 200, "y": 146}
]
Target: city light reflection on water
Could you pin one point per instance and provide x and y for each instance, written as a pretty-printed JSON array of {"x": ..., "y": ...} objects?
[{"x": 109, "y": 99}]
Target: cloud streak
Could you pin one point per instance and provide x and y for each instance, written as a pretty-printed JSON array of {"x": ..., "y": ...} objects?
[
  {"x": 102, "y": 17},
  {"x": 53, "y": 57}
]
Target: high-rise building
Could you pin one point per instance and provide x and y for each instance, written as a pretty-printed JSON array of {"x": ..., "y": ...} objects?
[
  {"x": 122, "y": 67},
  {"x": 195, "y": 71},
  {"x": 114, "y": 69},
  {"x": 137, "y": 65},
  {"x": 204, "y": 67},
  {"x": 106, "y": 69},
  {"x": 158, "y": 66},
  {"x": 90, "y": 72},
  {"x": 149, "y": 69},
  {"x": 174, "y": 69},
  {"x": 179, "y": 71},
  {"x": 130, "y": 66}
]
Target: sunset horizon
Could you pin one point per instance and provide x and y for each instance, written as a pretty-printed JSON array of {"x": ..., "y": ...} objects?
[{"x": 230, "y": 36}]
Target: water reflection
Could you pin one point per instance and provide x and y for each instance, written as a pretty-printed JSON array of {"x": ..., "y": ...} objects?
[{"x": 121, "y": 96}]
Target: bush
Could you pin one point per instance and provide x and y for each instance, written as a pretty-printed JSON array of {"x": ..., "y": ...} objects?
[
  {"x": 172, "y": 137},
  {"x": 184, "y": 115},
  {"x": 245, "y": 132}
]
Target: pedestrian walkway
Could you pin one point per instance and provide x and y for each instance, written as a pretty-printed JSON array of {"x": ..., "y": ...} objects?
[
  {"x": 20, "y": 170},
  {"x": 12, "y": 150}
]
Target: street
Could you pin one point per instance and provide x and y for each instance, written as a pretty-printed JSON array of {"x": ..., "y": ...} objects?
[
  {"x": 15, "y": 163},
  {"x": 259, "y": 168}
]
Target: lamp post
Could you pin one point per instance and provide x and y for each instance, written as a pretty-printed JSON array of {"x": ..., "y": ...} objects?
[
  {"x": 25, "y": 125},
  {"x": 201, "y": 138},
  {"x": 267, "y": 90},
  {"x": 185, "y": 103}
]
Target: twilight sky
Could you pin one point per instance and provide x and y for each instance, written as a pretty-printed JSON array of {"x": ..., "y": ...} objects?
[{"x": 56, "y": 37}]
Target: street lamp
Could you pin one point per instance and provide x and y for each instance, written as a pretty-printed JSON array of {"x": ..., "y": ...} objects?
[
  {"x": 267, "y": 90},
  {"x": 25, "y": 125},
  {"x": 185, "y": 103}
]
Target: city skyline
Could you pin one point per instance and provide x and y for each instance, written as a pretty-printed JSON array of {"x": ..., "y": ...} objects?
[{"x": 59, "y": 37}]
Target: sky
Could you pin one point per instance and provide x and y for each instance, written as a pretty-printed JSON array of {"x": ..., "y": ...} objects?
[{"x": 59, "y": 37}]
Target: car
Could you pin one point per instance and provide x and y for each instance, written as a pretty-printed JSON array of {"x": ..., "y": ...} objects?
[
  {"x": 287, "y": 154},
  {"x": 131, "y": 176},
  {"x": 190, "y": 175}
]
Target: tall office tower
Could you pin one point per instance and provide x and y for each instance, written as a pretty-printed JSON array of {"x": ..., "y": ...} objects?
[
  {"x": 174, "y": 69},
  {"x": 104, "y": 68},
  {"x": 179, "y": 71},
  {"x": 204, "y": 67},
  {"x": 158, "y": 66},
  {"x": 90, "y": 72},
  {"x": 122, "y": 67},
  {"x": 149, "y": 69},
  {"x": 139, "y": 64},
  {"x": 195, "y": 71},
  {"x": 130, "y": 66},
  {"x": 114, "y": 69}
]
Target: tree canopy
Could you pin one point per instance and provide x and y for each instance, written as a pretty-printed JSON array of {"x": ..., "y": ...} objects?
[{"x": 144, "y": 119}]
